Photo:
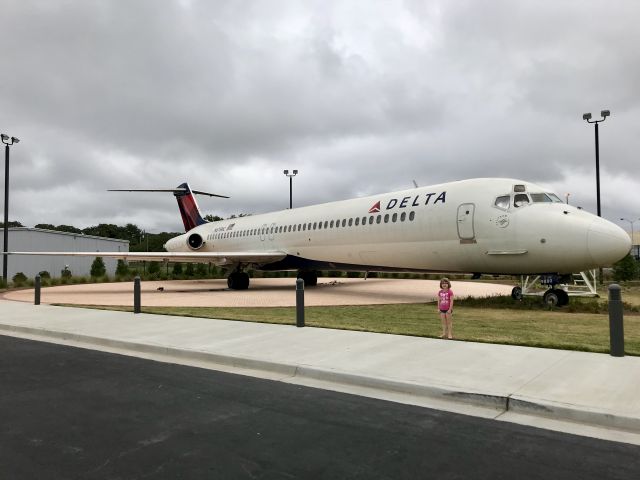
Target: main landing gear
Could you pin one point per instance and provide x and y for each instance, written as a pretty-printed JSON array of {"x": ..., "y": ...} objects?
[
  {"x": 238, "y": 280},
  {"x": 310, "y": 277}
]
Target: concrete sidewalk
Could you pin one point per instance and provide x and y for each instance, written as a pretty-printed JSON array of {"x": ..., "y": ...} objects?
[{"x": 585, "y": 393}]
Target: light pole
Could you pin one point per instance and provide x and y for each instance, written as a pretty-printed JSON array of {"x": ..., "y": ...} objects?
[
  {"x": 587, "y": 117},
  {"x": 8, "y": 141},
  {"x": 631, "y": 222},
  {"x": 291, "y": 175}
]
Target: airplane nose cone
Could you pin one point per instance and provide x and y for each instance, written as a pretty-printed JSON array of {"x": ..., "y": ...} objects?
[{"x": 607, "y": 242}]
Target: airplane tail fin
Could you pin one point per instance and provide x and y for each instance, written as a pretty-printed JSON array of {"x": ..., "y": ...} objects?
[{"x": 191, "y": 216}]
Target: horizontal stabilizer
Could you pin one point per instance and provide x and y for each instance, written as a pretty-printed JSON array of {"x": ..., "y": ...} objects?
[{"x": 166, "y": 190}]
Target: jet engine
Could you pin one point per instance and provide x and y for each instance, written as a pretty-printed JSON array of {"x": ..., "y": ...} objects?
[{"x": 195, "y": 241}]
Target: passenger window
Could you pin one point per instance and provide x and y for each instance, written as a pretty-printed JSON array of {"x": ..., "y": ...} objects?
[
  {"x": 394, "y": 218},
  {"x": 412, "y": 215},
  {"x": 326, "y": 224},
  {"x": 331, "y": 224},
  {"x": 350, "y": 221},
  {"x": 364, "y": 220},
  {"x": 371, "y": 220},
  {"x": 403, "y": 216},
  {"x": 520, "y": 200},
  {"x": 386, "y": 218},
  {"x": 315, "y": 224},
  {"x": 357, "y": 221},
  {"x": 344, "y": 222},
  {"x": 378, "y": 218},
  {"x": 502, "y": 202}
]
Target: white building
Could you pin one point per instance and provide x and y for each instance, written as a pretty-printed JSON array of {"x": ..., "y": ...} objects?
[{"x": 23, "y": 239}]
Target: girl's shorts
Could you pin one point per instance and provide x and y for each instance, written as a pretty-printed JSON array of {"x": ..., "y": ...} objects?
[{"x": 444, "y": 311}]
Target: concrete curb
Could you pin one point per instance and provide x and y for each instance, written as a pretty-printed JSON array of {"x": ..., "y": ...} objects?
[{"x": 499, "y": 403}]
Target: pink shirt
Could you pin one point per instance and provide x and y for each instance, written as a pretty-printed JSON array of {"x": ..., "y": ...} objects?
[{"x": 444, "y": 299}]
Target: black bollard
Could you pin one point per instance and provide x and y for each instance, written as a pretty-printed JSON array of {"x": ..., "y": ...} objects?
[
  {"x": 616, "y": 327},
  {"x": 299, "y": 303},
  {"x": 36, "y": 284},
  {"x": 136, "y": 295}
]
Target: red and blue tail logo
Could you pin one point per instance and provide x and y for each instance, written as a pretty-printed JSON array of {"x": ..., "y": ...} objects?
[{"x": 189, "y": 210}]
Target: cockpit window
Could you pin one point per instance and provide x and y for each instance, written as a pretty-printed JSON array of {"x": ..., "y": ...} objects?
[
  {"x": 502, "y": 202},
  {"x": 554, "y": 198},
  {"x": 520, "y": 199},
  {"x": 540, "y": 197},
  {"x": 519, "y": 188}
]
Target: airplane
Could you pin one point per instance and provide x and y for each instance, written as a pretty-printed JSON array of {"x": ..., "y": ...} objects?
[{"x": 480, "y": 226}]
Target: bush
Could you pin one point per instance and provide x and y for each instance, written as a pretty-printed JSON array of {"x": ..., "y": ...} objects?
[
  {"x": 44, "y": 274},
  {"x": 65, "y": 273},
  {"x": 190, "y": 270},
  {"x": 19, "y": 279},
  {"x": 625, "y": 269},
  {"x": 201, "y": 270},
  {"x": 98, "y": 268}
]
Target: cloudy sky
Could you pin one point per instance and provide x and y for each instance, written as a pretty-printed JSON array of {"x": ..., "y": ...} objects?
[{"x": 361, "y": 97}]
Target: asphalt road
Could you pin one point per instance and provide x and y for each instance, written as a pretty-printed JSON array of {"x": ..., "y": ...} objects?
[{"x": 71, "y": 413}]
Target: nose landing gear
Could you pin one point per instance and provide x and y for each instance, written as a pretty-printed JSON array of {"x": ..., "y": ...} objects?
[{"x": 555, "y": 297}]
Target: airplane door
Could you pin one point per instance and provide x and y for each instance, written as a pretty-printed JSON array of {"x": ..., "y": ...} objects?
[
  {"x": 272, "y": 230},
  {"x": 465, "y": 221},
  {"x": 263, "y": 231}
]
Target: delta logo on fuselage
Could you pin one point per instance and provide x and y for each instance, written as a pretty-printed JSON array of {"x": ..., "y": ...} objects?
[{"x": 415, "y": 201}]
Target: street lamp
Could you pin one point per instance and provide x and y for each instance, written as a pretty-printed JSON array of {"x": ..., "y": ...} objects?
[
  {"x": 8, "y": 141},
  {"x": 587, "y": 117},
  {"x": 291, "y": 175},
  {"x": 631, "y": 222}
]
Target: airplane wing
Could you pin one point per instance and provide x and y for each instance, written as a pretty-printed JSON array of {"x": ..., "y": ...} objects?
[{"x": 217, "y": 258}]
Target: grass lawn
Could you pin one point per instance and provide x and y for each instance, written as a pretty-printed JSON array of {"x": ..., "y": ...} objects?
[{"x": 474, "y": 320}]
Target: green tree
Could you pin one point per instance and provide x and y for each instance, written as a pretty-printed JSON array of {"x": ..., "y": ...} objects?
[
  {"x": 11, "y": 224},
  {"x": 98, "y": 269},
  {"x": 177, "y": 269},
  {"x": 625, "y": 269},
  {"x": 122, "y": 270}
]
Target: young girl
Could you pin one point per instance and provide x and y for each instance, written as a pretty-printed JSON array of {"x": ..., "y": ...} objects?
[{"x": 445, "y": 307}]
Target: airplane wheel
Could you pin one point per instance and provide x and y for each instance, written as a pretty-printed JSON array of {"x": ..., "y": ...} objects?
[
  {"x": 516, "y": 293},
  {"x": 238, "y": 281},
  {"x": 563, "y": 297},
  {"x": 310, "y": 278},
  {"x": 551, "y": 298}
]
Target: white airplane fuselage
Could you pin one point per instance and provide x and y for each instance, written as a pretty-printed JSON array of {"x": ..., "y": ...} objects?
[{"x": 471, "y": 226}]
